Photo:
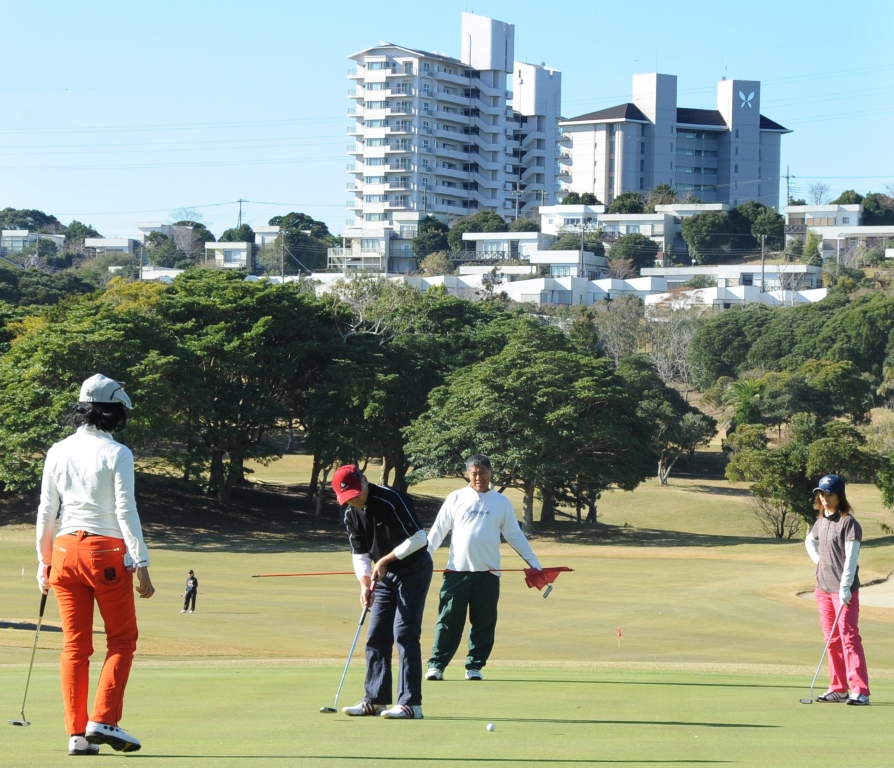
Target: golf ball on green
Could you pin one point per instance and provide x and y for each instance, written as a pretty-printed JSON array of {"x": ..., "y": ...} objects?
[{"x": 490, "y": 726}]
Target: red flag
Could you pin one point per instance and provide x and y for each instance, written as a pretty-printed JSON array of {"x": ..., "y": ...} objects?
[
  {"x": 539, "y": 579},
  {"x": 619, "y": 633}
]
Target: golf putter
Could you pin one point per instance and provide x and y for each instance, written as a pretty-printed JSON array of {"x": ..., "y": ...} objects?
[
  {"x": 23, "y": 721},
  {"x": 828, "y": 643},
  {"x": 334, "y": 708}
]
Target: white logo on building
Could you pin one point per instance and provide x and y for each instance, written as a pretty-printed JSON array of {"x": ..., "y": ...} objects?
[{"x": 746, "y": 99}]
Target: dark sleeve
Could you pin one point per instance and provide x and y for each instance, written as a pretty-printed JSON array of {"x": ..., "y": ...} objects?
[
  {"x": 406, "y": 513},
  {"x": 356, "y": 535}
]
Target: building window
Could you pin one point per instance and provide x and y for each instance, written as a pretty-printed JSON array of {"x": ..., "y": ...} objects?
[
  {"x": 373, "y": 179},
  {"x": 372, "y": 244},
  {"x": 372, "y": 65},
  {"x": 736, "y": 168},
  {"x": 374, "y": 161},
  {"x": 642, "y": 147},
  {"x": 737, "y": 133},
  {"x": 376, "y": 123},
  {"x": 374, "y": 198},
  {"x": 374, "y": 217},
  {"x": 642, "y": 130},
  {"x": 425, "y": 181},
  {"x": 233, "y": 257},
  {"x": 642, "y": 165},
  {"x": 426, "y": 67},
  {"x": 642, "y": 183},
  {"x": 747, "y": 279},
  {"x": 846, "y": 220}
]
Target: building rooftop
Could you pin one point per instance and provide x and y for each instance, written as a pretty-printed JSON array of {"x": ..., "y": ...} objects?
[
  {"x": 685, "y": 116},
  {"x": 620, "y": 112}
]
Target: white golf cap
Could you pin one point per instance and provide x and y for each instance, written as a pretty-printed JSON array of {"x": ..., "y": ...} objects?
[{"x": 102, "y": 389}]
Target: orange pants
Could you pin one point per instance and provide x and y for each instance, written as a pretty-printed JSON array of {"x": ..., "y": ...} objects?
[{"x": 87, "y": 568}]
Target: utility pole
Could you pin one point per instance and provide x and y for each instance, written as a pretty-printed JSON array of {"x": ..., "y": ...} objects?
[
  {"x": 763, "y": 284},
  {"x": 282, "y": 256},
  {"x": 239, "y": 222}
]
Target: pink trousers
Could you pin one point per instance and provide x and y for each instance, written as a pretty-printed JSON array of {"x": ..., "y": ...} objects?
[
  {"x": 87, "y": 569},
  {"x": 847, "y": 662}
]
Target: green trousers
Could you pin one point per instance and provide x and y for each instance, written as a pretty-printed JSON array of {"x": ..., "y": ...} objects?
[{"x": 478, "y": 594}]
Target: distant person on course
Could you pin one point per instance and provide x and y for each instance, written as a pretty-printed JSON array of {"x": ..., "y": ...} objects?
[
  {"x": 392, "y": 564},
  {"x": 88, "y": 485},
  {"x": 834, "y": 545},
  {"x": 477, "y": 516},
  {"x": 192, "y": 589}
]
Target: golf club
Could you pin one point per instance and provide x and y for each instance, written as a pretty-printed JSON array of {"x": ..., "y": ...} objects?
[
  {"x": 334, "y": 707},
  {"x": 828, "y": 642},
  {"x": 23, "y": 721}
]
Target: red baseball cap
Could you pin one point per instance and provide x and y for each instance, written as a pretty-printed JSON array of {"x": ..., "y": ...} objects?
[{"x": 347, "y": 482}]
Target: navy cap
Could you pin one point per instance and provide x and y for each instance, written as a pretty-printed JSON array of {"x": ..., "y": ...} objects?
[{"x": 830, "y": 484}]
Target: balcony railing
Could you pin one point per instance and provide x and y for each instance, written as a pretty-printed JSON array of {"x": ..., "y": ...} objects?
[{"x": 795, "y": 229}]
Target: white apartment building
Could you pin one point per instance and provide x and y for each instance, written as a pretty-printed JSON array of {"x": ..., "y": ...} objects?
[
  {"x": 112, "y": 245},
  {"x": 726, "y": 155},
  {"x": 435, "y": 135},
  {"x": 15, "y": 240},
  {"x": 840, "y": 229}
]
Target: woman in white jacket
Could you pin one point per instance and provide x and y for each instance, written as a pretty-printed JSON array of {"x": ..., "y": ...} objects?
[
  {"x": 834, "y": 545},
  {"x": 88, "y": 486}
]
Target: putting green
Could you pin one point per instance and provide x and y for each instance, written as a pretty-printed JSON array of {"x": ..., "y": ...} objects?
[
  {"x": 716, "y": 650},
  {"x": 239, "y": 714}
]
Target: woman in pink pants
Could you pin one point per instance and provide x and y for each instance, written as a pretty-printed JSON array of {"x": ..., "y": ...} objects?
[{"x": 834, "y": 545}]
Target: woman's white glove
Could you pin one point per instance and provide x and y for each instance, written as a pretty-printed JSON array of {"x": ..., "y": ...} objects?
[
  {"x": 844, "y": 595},
  {"x": 43, "y": 577}
]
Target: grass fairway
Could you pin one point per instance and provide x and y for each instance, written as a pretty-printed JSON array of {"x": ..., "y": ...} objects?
[{"x": 717, "y": 648}]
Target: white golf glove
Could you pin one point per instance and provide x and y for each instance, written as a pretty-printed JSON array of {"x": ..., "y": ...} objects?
[
  {"x": 844, "y": 595},
  {"x": 43, "y": 577}
]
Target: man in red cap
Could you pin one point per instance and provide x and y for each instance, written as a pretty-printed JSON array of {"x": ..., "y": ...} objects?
[{"x": 394, "y": 568}]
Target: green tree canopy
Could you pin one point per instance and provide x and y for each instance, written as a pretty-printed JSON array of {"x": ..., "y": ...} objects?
[
  {"x": 641, "y": 250},
  {"x": 76, "y": 233},
  {"x": 570, "y": 241},
  {"x": 771, "y": 225},
  {"x": 431, "y": 237},
  {"x": 678, "y": 427},
  {"x": 706, "y": 234},
  {"x": 30, "y": 219},
  {"x": 522, "y": 224},
  {"x": 545, "y": 417},
  {"x": 483, "y": 221},
  {"x": 241, "y": 234},
  {"x": 628, "y": 202},
  {"x": 848, "y": 197}
]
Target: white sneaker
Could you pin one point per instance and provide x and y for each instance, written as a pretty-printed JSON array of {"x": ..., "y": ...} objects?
[
  {"x": 474, "y": 674},
  {"x": 364, "y": 709},
  {"x": 120, "y": 741},
  {"x": 78, "y": 745},
  {"x": 183, "y": 611},
  {"x": 192, "y": 611},
  {"x": 403, "y": 712},
  {"x": 434, "y": 674}
]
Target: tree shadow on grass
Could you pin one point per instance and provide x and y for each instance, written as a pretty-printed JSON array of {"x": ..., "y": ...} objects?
[
  {"x": 716, "y": 490},
  {"x": 629, "y": 536}
]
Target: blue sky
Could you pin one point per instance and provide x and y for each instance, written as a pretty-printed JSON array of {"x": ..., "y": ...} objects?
[{"x": 116, "y": 112}]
